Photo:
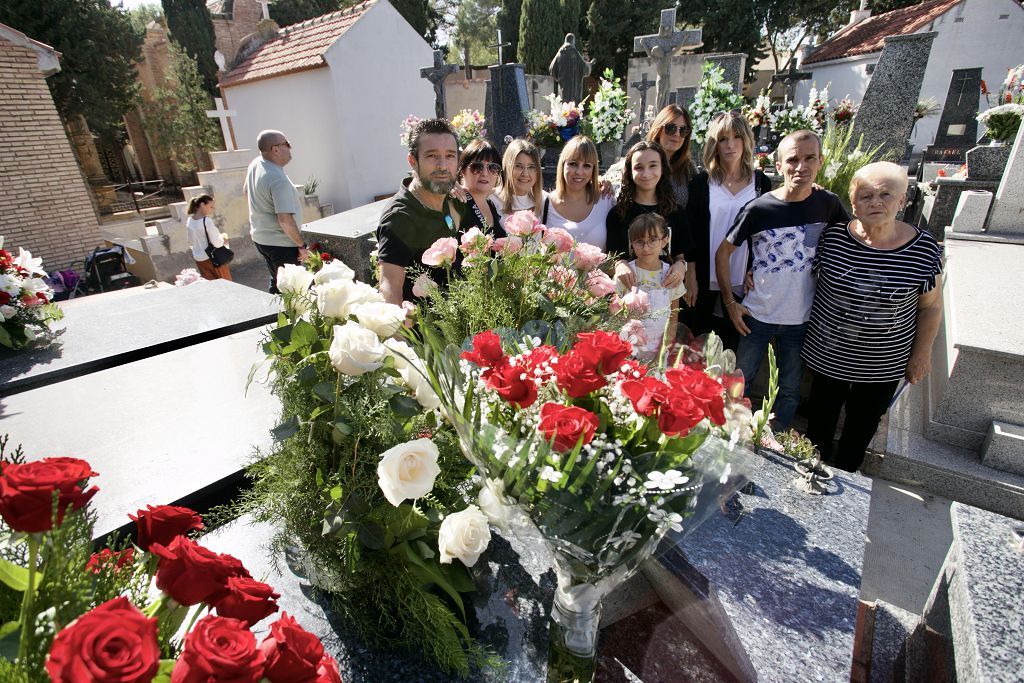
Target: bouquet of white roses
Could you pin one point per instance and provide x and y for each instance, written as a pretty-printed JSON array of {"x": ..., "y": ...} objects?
[
  {"x": 609, "y": 112},
  {"x": 715, "y": 95},
  {"x": 25, "y": 298},
  {"x": 757, "y": 114}
]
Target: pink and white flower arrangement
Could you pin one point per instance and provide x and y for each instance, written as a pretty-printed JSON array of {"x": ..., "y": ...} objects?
[{"x": 25, "y": 298}]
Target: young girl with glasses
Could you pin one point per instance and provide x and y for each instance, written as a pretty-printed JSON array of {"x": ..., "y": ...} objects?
[{"x": 649, "y": 241}]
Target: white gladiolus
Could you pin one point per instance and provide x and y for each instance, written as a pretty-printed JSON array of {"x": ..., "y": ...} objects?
[
  {"x": 463, "y": 535},
  {"x": 408, "y": 471}
]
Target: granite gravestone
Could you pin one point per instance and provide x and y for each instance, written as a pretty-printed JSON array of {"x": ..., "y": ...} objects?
[
  {"x": 886, "y": 114},
  {"x": 958, "y": 124},
  {"x": 732, "y": 66},
  {"x": 507, "y": 103},
  {"x": 1007, "y": 215},
  {"x": 350, "y": 236},
  {"x": 684, "y": 96},
  {"x": 661, "y": 46}
]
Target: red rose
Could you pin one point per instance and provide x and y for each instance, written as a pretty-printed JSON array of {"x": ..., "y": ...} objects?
[
  {"x": 705, "y": 391},
  {"x": 162, "y": 523},
  {"x": 509, "y": 383},
  {"x": 191, "y": 574},
  {"x": 577, "y": 376},
  {"x": 679, "y": 414},
  {"x": 567, "y": 425},
  {"x": 540, "y": 358},
  {"x": 219, "y": 649},
  {"x": 247, "y": 599},
  {"x": 27, "y": 490},
  {"x": 4, "y": 298},
  {"x": 112, "y": 642},
  {"x": 605, "y": 350},
  {"x": 295, "y": 655},
  {"x": 108, "y": 557},
  {"x": 325, "y": 257},
  {"x": 632, "y": 369},
  {"x": 487, "y": 350},
  {"x": 645, "y": 394}
]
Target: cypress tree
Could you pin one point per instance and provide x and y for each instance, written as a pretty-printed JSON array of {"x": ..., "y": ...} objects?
[
  {"x": 571, "y": 19},
  {"x": 191, "y": 27},
  {"x": 538, "y": 42},
  {"x": 508, "y": 22}
]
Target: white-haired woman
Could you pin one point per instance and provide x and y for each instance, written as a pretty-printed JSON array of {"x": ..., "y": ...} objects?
[{"x": 877, "y": 309}]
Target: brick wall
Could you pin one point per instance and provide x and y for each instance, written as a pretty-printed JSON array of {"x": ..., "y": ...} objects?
[
  {"x": 44, "y": 201},
  {"x": 229, "y": 33}
]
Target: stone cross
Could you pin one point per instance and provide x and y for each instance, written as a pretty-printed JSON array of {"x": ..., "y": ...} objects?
[
  {"x": 266, "y": 9},
  {"x": 662, "y": 45},
  {"x": 466, "y": 66},
  {"x": 436, "y": 74},
  {"x": 789, "y": 78},
  {"x": 223, "y": 114},
  {"x": 500, "y": 45},
  {"x": 643, "y": 85}
]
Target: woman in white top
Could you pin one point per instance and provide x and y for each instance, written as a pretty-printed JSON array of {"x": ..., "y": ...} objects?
[
  {"x": 577, "y": 204},
  {"x": 202, "y": 232},
  {"x": 716, "y": 196},
  {"x": 521, "y": 179}
]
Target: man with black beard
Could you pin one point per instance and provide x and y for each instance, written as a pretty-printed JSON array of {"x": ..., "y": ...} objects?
[{"x": 421, "y": 211}]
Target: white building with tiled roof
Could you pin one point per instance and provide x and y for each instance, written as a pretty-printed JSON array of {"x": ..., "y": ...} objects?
[
  {"x": 971, "y": 33},
  {"x": 338, "y": 86}
]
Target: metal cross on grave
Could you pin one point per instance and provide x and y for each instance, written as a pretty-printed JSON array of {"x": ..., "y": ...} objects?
[
  {"x": 266, "y": 9},
  {"x": 436, "y": 74},
  {"x": 789, "y": 78},
  {"x": 500, "y": 45},
  {"x": 223, "y": 114},
  {"x": 662, "y": 45},
  {"x": 643, "y": 85}
]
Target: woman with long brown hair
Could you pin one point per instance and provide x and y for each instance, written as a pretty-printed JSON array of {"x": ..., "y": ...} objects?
[{"x": 671, "y": 129}]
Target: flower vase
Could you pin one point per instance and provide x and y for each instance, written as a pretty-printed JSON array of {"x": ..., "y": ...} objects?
[
  {"x": 572, "y": 641},
  {"x": 569, "y": 132}
]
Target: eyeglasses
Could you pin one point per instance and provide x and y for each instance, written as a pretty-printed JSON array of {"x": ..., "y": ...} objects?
[
  {"x": 730, "y": 113},
  {"x": 479, "y": 166},
  {"x": 519, "y": 168},
  {"x": 644, "y": 244},
  {"x": 672, "y": 129},
  {"x": 285, "y": 143}
]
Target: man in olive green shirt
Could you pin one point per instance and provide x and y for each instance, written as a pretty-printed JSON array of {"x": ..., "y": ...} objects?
[{"x": 274, "y": 205}]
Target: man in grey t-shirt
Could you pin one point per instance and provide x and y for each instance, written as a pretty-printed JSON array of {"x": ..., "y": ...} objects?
[{"x": 274, "y": 205}]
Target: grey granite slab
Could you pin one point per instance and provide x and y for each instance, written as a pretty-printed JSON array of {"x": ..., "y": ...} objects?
[
  {"x": 784, "y": 573},
  {"x": 958, "y": 123},
  {"x": 1007, "y": 214},
  {"x": 350, "y": 235},
  {"x": 510, "y": 609},
  {"x": 507, "y": 103},
  {"x": 893, "y": 627},
  {"x": 987, "y": 162},
  {"x": 1003, "y": 447},
  {"x": 985, "y": 605},
  {"x": 106, "y": 330},
  {"x": 157, "y": 430}
]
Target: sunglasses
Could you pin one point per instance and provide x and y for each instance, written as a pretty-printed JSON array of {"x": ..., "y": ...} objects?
[
  {"x": 731, "y": 113},
  {"x": 285, "y": 143},
  {"x": 672, "y": 129},
  {"x": 479, "y": 166}
]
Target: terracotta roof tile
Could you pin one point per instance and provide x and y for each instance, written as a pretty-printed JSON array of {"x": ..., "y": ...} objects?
[
  {"x": 296, "y": 48},
  {"x": 868, "y": 36}
]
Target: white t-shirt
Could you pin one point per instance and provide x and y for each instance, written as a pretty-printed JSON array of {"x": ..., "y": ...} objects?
[
  {"x": 591, "y": 230},
  {"x": 660, "y": 300},
  {"x": 520, "y": 202},
  {"x": 724, "y": 206},
  {"x": 197, "y": 239}
]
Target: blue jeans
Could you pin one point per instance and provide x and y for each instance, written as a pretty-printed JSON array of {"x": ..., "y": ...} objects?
[{"x": 789, "y": 340}]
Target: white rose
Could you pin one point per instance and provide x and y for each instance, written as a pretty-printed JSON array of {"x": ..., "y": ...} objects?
[
  {"x": 332, "y": 298},
  {"x": 355, "y": 350},
  {"x": 7, "y": 311},
  {"x": 361, "y": 293},
  {"x": 335, "y": 270},
  {"x": 494, "y": 504},
  {"x": 401, "y": 352},
  {"x": 408, "y": 471},
  {"x": 464, "y": 535},
  {"x": 383, "y": 318},
  {"x": 415, "y": 377},
  {"x": 10, "y": 284},
  {"x": 293, "y": 279}
]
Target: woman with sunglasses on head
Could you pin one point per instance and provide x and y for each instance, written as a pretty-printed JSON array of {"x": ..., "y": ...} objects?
[
  {"x": 577, "y": 204},
  {"x": 717, "y": 194},
  {"x": 480, "y": 175},
  {"x": 520, "y": 188},
  {"x": 647, "y": 188}
]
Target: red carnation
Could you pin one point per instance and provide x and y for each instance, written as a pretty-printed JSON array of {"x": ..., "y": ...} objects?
[
  {"x": 191, "y": 574},
  {"x": 27, "y": 491},
  {"x": 578, "y": 376},
  {"x": 631, "y": 368},
  {"x": 541, "y": 357},
  {"x": 567, "y": 425},
  {"x": 606, "y": 350},
  {"x": 645, "y": 394},
  {"x": 107, "y": 557},
  {"x": 247, "y": 599},
  {"x": 487, "y": 350},
  {"x": 113, "y": 642},
  {"x": 219, "y": 649},
  {"x": 295, "y": 655},
  {"x": 679, "y": 414},
  {"x": 163, "y": 523},
  {"x": 512, "y": 383}
]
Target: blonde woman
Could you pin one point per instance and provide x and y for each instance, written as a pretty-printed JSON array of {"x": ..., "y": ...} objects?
[
  {"x": 716, "y": 196},
  {"x": 520, "y": 188},
  {"x": 576, "y": 203}
]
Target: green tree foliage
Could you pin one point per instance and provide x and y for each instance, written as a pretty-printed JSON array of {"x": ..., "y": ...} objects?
[
  {"x": 422, "y": 15},
  {"x": 288, "y": 12},
  {"x": 538, "y": 41},
  {"x": 732, "y": 27},
  {"x": 508, "y": 22},
  {"x": 611, "y": 26},
  {"x": 475, "y": 25},
  {"x": 97, "y": 46},
  {"x": 177, "y": 115},
  {"x": 141, "y": 15},
  {"x": 571, "y": 18},
  {"x": 191, "y": 27}
]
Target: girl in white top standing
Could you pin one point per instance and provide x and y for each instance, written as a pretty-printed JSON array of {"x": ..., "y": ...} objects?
[
  {"x": 521, "y": 188},
  {"x": 576, "y": 204},
  {"x": 649, "y": 240},
  {"x": 203, "y": 231}
]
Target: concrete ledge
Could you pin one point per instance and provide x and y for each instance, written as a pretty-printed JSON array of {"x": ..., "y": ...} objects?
[{"x": 1003, "y": 448}]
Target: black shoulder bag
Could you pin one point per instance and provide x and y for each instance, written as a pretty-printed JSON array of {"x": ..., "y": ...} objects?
[{"x": 221, "y": 256}]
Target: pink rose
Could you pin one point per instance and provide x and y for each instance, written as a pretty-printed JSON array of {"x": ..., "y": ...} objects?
[
  {"x": 423, "y": 285},
  {"x": 507, "y": 245},
  {"x": 634, "y": 332},
  {"x": 615, "y": 305},
  {"x": 637, "y": 302},
  {"x": 586, "y": 256},
  {"x": 475, "y": 242},
  {"x": 522, "y": 223},
  {"x": 441, "y": 252},
  {"x": 563, "y": 276},
  {"x": 599, "y": 284},
  {"x": 561, "y": 240}
]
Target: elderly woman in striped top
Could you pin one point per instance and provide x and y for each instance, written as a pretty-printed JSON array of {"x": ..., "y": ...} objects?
[{"x": 877, "y": 309}]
